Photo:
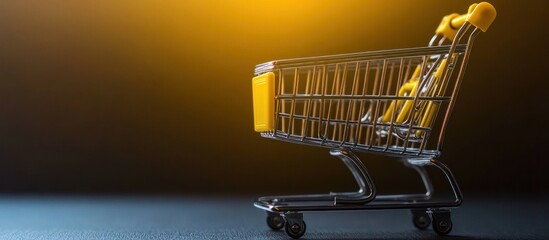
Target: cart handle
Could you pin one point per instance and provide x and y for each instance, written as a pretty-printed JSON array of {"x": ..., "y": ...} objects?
[{"x": 480, "y": 15}]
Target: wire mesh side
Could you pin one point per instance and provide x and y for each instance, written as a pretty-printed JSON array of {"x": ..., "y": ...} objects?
[{"x": 346, "y": 104}]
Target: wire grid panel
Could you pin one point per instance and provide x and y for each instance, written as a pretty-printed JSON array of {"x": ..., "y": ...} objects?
[{"x": 359, "y": 104}]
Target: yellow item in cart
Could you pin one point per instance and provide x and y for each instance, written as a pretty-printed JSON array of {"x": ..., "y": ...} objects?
[
  {"x": 437, "y": 87},
  {"x": 405, "y": 90},
  {"x": 410, "y": 89}
]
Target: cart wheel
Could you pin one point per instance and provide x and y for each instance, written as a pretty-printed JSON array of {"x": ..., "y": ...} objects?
[
  {"x": 275, "y": 221},
  {"x": 421, "y": 218},
  {"x": 442, "y": 222},
  {"x": 296, "y": 230}
]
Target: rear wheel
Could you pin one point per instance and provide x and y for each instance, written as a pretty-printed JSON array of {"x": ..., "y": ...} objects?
[{"x": 275, "y": 221}]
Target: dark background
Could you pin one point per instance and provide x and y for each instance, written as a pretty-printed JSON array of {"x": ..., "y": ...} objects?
[{"x": 155, "y": 97}]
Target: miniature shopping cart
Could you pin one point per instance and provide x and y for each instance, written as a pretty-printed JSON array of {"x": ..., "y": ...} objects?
[{"x": 394, "y": 102}]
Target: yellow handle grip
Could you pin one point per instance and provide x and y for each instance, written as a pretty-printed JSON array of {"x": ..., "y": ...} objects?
[
  {"x": 480, "y": 15},
  {"x": 458, "y": 21}
]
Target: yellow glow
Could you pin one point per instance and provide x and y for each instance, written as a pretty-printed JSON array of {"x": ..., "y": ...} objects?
[{"x": 181, "y": 69}]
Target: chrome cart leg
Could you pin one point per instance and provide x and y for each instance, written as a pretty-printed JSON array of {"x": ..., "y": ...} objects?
[
  {"x": 295, "y": 226},
  {"x": 362, "y": 178},
  {"x": 458, "y": 198},
  {"x": 422, "y": 196},
  {"x": 425, "y": 178}
]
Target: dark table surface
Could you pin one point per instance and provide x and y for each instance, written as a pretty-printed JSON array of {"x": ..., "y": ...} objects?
[{"x": 158, "y": 217}]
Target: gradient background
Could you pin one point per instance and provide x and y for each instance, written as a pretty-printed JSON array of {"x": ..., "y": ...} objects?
[{"x": 155, "y": 96}]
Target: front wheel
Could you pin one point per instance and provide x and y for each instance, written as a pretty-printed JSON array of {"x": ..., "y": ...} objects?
[
  {"x": 296, "y": 230},
  {"x": 442, "y": 223}
]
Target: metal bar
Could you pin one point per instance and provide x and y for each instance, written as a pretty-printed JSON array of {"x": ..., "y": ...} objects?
[
  {"x": 336, "y": 92},
  {"x": 306, "y": 103},
  {"x": 353, "y": 122},
  {"x": 397, "y": 87},
  {"x": 330, "y": 105},
  {"x": 354, "y": 57},
  {"x": 366, "y": 97},
  {"x": 292, "y": 109},
  {"x": 362, "y": 102},
  {"x": 351, "y": 103},
  {"x": 322, "y": 102},
  {"x": 411, "y": 114},
  {"x": 376, "y": 112},
  {"x": 457, "y": 85},
  {"x": 305, "y": 125},
  {"x": 341, "y": 103},
  {"x": 279, "y": 103}
]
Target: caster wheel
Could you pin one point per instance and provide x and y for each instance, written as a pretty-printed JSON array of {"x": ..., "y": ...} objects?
[
  {"x": 442, "y": 223},
  {"x": 275, "y": 221},
  {"x": 296, "y": 230},
  {"x": 421, "y": 219}
]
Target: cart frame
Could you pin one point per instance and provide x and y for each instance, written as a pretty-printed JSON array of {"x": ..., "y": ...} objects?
[{"x": 406, "y": 138}]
